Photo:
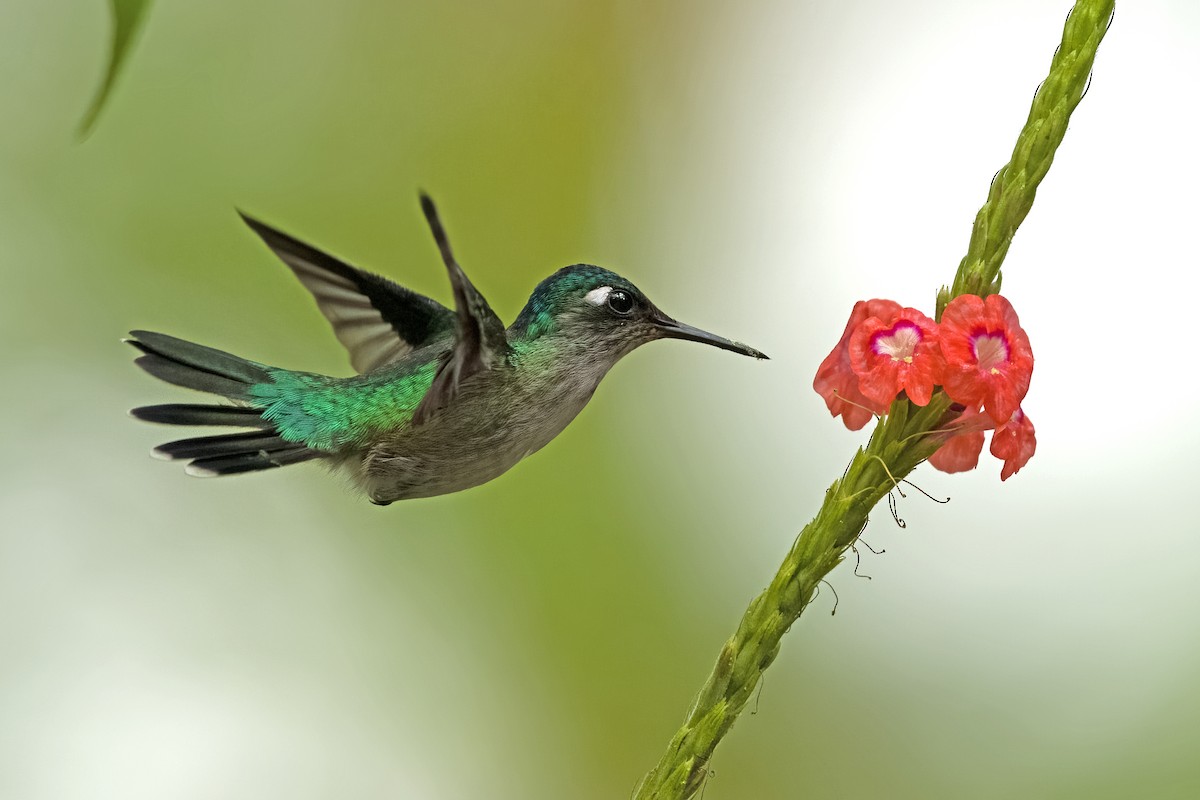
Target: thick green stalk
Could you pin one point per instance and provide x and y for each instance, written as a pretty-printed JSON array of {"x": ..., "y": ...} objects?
[
  {"x": 902, "y": 439},
  {"x": 898, "y": 444},
  {"x": 1015, "y": 185}
]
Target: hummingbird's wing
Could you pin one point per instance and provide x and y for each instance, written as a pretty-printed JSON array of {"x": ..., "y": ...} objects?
[
  {"x": 377, "y": 320},
  {"x": 480, "y": 341}
]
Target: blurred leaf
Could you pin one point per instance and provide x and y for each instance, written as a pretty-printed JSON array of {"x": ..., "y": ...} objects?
[{"x": 127, "y": 15}]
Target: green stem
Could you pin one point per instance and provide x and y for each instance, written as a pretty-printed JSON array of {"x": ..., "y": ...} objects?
[
  {"x": 902, "y": 439},
  {"x": 899, "y": 443},
  {"x": 1013, "y": 188}
]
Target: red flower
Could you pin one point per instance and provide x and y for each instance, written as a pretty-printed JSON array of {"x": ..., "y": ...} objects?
[
  {"x": 979, "y": 354},
  {"x": 836, "y": 381},
  {"x": 988, "y": 358},
  {"x": 1014, "y": 442},
  {"x": 896, "y": 353},
  {"x": 961, "y": 451}
]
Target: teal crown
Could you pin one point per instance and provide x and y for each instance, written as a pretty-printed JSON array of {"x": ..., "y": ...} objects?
[{"x": 557, "y": 292}]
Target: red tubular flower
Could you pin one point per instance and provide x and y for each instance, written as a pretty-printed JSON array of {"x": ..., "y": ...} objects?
[
  {"x": 1014, "y": 442},
  {"x": 836, "y": 381},
  {"x": 988, "y": 357},
  {"x": 897, "y": 353},
  {"x": 979, "y": 354},
  {"x": 961, "y": 451}
]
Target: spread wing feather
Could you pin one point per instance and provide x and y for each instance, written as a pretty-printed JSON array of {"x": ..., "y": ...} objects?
[{"x": 376, "y": 320}]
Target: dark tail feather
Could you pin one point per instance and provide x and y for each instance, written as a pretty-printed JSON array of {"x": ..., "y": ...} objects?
[
  {"x": 195, "y": 366},
  {"x": 196, "y": 414},
  {"x": 227, "y": 445},
  {"x": 229, "y": 454},
  {"x": 205, "y": 359},
  {"x": 189, "y": 377},
  {"x": 249, "y": 462}
]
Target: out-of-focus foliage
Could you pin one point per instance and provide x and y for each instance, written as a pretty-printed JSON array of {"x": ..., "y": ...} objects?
[{"x": 126, "y": 18}]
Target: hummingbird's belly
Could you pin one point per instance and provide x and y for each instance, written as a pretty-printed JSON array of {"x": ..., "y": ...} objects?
[{"x": 465, "y": 445}]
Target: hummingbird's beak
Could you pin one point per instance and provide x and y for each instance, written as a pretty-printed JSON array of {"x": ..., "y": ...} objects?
[{"x": 677, "y": 330}]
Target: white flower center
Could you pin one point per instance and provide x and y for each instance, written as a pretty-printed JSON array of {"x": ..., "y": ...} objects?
[
  {"x": 990, "y": 349},
  {"x": 898, "y": 343}
]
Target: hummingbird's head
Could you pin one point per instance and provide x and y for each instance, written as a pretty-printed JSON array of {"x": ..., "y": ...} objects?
[{"x": 603, "y": 314}]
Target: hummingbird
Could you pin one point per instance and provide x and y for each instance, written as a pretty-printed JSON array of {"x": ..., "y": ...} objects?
[{"x": 443, "y": 400}]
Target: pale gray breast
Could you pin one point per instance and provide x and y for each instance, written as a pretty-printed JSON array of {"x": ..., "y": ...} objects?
[{"x": 497, "y": 419}]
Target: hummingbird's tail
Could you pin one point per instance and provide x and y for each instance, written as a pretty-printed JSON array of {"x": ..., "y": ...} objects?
[{"x": 195, "y": 366}]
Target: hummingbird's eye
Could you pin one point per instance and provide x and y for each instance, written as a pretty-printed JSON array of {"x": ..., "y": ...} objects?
[{"x": 620, "y": 302}]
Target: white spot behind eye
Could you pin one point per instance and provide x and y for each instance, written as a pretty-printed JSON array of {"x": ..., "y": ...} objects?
[{"x": 599, "y": 296}]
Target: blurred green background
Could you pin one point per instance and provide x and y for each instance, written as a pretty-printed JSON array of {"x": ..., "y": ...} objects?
[{"x": 755, "y": 168}]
